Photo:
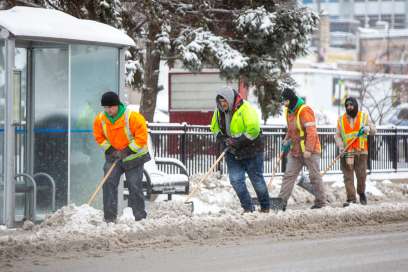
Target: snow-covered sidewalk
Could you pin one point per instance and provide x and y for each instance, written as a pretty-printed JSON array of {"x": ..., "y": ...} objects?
[{"x": 217, "y": 216}]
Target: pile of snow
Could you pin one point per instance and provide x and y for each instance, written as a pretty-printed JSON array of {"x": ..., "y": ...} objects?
[
  {"x": 217, "y": 195},
  {"x": 94, "y": 234},
  {"x": 217, "y": 214}
]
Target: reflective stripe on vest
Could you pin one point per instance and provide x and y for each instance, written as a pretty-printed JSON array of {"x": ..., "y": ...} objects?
[
  {"x": 139, "y": 151},
  {"x": 128, "y": 133},
  {"x": 105, "y": 144},
  {"x": 298, "y": 126},
  {"x": 348, "y": 135}
]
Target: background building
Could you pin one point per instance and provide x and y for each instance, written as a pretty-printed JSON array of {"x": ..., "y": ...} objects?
[{"x": 367, "y": 12}]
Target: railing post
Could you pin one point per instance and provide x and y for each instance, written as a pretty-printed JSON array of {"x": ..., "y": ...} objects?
[
  {"x": 369, "y": 164},
  {"x": 285, "y": 157},
  {"x": 183, "y": 147},
  {"x": 395, "y": 157}
]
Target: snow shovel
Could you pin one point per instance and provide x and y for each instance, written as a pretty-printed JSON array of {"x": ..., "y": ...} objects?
[
  {"x": 276, "y": 202},
  {"x": 102, "y": 182},
  {"x": 274, "y": 170},
  {"x": 304, "y": 180},
  {"x": 191, "y": 203}
]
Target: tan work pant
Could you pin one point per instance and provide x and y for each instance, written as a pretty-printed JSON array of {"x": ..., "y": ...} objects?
[
  {"x": 293, "y": 167},
  {"x": 360, "y": 168}
]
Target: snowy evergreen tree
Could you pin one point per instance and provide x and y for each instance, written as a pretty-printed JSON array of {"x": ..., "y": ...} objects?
[
  {"x": 255, "y": 41},
  {"x": 252, "y": 40},
  {"x": 105, "y": 11}
]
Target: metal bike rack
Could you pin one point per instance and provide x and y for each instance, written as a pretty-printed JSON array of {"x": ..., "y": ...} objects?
[
  {"x": 22, "y": 188},
  {"x": 25, "y": 189},
  {"x": 52, "y": 181}
]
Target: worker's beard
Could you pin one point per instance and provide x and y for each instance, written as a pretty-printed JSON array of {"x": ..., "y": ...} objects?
[{"x": 352, "y": 113}]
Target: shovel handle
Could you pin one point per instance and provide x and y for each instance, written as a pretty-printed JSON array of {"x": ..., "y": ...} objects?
[
  {"x": 101, "y": 183},
  {"x": 207, "y": 174},
  {"x": 338, "y": 157},
  {"x": 275, "y": 169}
]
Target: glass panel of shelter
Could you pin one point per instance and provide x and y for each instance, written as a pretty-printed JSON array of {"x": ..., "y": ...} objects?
[
  {"x": 2, "y": 121},
  {"x": 94, "y": 70},
  {"x": 40, "y": 90},
  {"x": 50, "y": 108}
]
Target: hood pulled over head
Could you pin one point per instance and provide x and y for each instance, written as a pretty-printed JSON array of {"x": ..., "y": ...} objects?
[{"x": 229, "y": 95}]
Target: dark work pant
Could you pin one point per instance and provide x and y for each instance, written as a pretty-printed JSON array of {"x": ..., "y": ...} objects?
[
  {"x": 360, "y": 168},
  {"x": 254, "y": 168},
  {"x": 110, "y": 191}
]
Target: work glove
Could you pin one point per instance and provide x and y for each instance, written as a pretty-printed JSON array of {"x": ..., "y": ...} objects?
[
  {"x": 112, "y": 154},
  {"x": 285, "y": 147},
  {"x": 220, "y": 138},
  {"x": 341, "y": 149},
  {"x": 124, "y": 153},
  {"x": 110, "y": 151},
  {"x": 307, "y": 154},
  {"x": 363, "y": 131},
  {"x": 231, "y": 143}
]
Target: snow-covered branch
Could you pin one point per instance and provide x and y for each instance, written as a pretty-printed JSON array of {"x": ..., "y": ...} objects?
[{"x": 197, "y": 45}]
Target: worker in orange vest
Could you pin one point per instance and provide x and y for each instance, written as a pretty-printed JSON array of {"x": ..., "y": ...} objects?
[
  {"x": 122, "y": 134},
  {"x": 351, "y": 125},
  {"x": 303, "y": 147}
]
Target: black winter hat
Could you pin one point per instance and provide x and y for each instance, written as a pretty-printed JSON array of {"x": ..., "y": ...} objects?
[
  {"x": 288, "y": 94},
  {"x": 110, "y": 99}
]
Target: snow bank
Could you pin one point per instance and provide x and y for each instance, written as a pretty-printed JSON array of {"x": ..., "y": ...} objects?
[
  {"x": 94, "y": 234},
  {"x": 217, "y": 216}
]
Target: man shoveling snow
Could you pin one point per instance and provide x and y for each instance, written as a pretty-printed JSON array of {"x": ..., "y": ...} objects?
[
  {"x": 122, "y": 134},
  {"x": 237, "y": 126}
]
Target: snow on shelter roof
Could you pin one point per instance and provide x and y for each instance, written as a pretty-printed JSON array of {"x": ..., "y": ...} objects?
[{"x": 49, "y": 24}]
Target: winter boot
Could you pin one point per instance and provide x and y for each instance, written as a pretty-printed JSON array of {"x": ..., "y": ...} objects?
[
  {"x": 348, "y": 202},
  {"x": 264, "y": 210},
  {"x": 363, "y": 199},
  {"x": 317, "y": 206},
  {"x": 110, "y": 220},
  {"x": 247, "y": 211}
]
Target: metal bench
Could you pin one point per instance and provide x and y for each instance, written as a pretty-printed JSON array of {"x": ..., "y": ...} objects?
[{"x": 157, "y": 182}]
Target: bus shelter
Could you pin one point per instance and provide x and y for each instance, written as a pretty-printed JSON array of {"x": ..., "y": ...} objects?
[{"x": 53, "y": 71}]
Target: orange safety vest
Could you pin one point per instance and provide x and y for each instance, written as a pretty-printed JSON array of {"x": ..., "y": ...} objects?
[
  {"x": 129, "y": 130},
  {"x": 348, "y": 133}
]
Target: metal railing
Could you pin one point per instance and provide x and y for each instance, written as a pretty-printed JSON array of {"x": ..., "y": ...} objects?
[{"x": 195, "y": 146}]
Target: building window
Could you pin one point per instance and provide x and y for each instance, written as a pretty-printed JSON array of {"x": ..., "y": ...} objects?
[
  {"x": 372, "y": 20},
  {"x": 399, "y": 21}
]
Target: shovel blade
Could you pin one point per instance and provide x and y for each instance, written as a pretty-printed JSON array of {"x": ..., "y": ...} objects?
[
  {"x": 304, "y": 182},
  {"x": 190, "y": 205},
  {"x": 276, "y": 203}
]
